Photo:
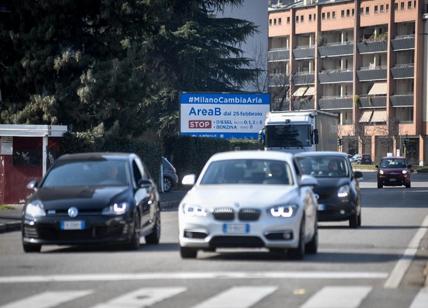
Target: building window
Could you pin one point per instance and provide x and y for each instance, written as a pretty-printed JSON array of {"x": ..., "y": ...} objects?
[
  {"x": 274, "y": 21},
  {"x": 402, "y": 6},
  {"x": 279, "y": 21},
  {"x": 367, "y": 10},
  {"x": 342, "y": 13},
  {"x": 297, "y": 19},
  {"x": 323, "y": 16},
  {"x": 288, "y": 20},
  {"x": 315, "y": 16},
  {"x": 302, "y": 18},
  {"x": 353, "y": 12},
  {"x": 381, "y": 9},
  {"x": 270, "y": 22},
  {"x": 375, "y": 9},
  {"x": 396, "y": 6},
  {"x": 333, "y": 15},
  {"x": 387, "y": 8},
  {"x": 409, "y": 4},
  {"x": 328, "y": 15},
  {"x": 348, "y": 13},
  {"x": 310, "y": 17}
]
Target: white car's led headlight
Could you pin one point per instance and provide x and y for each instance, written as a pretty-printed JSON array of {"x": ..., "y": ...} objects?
[
  {"x": 35, "y": 209},
  {"x": 118, "y": 208},
  {"x": 283, "y": 211},
  {"x": 194, "y": 210},
  {"x": 343, "y": 191}
]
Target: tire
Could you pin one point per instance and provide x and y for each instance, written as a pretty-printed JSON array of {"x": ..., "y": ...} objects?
[
  {"x": 154, "y": 237},
  {"x": 379, "y": 185},
  {"x": 167, "y": 184},
  {"x": 312, "y": 246},
  {"x": 29, "y": 248},
  {"x": 353, "y": 221},
  {"x": 298, "y": 253},
  {"x": 408, "y": 185},
  {"x": 188, "y": 253},
  {"x": 134, "y": 241},
  {"x": 359, "y": 220}
]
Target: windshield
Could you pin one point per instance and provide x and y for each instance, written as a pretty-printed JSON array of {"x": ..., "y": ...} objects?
[
  {"x": 288, "y": 135},
  {"x": 248, "y": 171},
  {"x": 324, "y": 166},
  {"x": 88, "y": 173},
  {"x": 393, "y": 163}
]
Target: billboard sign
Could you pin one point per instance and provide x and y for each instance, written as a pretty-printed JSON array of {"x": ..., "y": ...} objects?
[{"x": 223, "y": 115}]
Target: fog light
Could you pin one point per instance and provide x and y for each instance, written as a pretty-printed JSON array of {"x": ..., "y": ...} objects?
[
  {"x": 197, "y": 235},
  {"x": 288, "y": 235}
]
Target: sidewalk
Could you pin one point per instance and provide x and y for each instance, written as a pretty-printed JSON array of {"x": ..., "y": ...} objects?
[{"x": 10, "y": 215}]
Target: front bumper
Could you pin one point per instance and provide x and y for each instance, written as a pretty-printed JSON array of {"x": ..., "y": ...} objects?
[
  {"x": 267, "y": 231},
  {"x": 96, "y": 230},
  {"x": 335, "y": 210},
  {"x": 393, "y": 179}
]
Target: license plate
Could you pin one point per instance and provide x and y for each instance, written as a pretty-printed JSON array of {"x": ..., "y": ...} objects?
[
  {"x": 72, "y": 225},
  {"x": 392, "y": 180},
  {"x": 236, "y": 228},
  {"x": 321, "y": 207}
]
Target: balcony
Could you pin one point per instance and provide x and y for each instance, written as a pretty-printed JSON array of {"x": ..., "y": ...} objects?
[
  {"x": 335, "y": 102},
  {"x": 301, "y": 53},
  {"x": 303, "y": 104},
  {"x": 278, "y": 80},
  {"x": 403, "y": 42},
  {"x": 373, "y": 101},
  {"x": 402, "y": 71},
  {"x": 372, "y": 47},
  {"x": 303, "y": 78},
  {"x": 335, "y": 76},
  {"x": 402, "y": 100},
  {"x": 372, "y": 73},
  {"x": 336, "y": 50},
  {"x": 276, "y": 55}
]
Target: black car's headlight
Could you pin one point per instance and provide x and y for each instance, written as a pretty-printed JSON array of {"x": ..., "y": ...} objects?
[
  {"x": 35, "y": 209},
  {"x": 118, "y": 208},
  {"x": 343, "y": 191},
  {"x": 283, "y": 211}
]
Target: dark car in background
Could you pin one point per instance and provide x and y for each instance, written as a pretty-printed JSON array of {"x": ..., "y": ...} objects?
[
  {"x": 170, "y": 177},
  {"x": 92, "y": 198},
  {"x": 393, "y": 171},
  {"x": 366, "y": 159},
  {"x": 338, "y": 188}
]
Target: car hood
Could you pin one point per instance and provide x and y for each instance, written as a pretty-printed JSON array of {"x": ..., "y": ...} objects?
[
  {"x": 80, "y": 197},
  {"x": 212, "y": 196},
  {"x": 331, "y": 182}
]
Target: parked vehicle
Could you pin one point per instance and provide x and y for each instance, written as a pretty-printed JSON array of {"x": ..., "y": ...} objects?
[
  {"x": 92, "y": 198},
  {"x": 338, "y": 188},
  {"x": 249, "y": 199},
  {"x": 170, "y": 177},
  {"x": 356, "y": 158},
  {"x": 366, "y": 159},
  {"x": 393, "y": 171},
  {"x": 300, "y": 131}
]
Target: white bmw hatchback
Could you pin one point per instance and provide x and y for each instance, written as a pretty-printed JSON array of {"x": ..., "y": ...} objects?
[{"x": 249, "y": 199}]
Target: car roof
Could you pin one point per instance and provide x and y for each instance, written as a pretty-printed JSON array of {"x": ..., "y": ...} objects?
[
  {"x": 275, "y": 155},
  {"x": 393, "y": 157},
  {"x": 321, "y": 153},
  {"x": 94, "y": 156}
]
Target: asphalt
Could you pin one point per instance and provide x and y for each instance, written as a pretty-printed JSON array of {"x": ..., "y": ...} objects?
[{"x": 10, "y": 215}]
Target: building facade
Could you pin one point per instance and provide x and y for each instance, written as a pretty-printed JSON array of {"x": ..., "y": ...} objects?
[{"x": 363, "y": 60}]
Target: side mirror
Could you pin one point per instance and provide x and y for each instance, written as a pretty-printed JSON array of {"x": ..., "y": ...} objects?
[
  {"x": 261, "y": 138},
  {"x": 144, "y": 183},
  {"x": 358, "y": 174},
  {"x": 316, "y": 136},
  {"x": 308, "y": 180},
  {"x": 32, "y": 185},
  {"x": 189, "y": 180}
]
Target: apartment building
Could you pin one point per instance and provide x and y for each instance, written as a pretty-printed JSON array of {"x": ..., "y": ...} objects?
[{"x": 363, "y": 60}]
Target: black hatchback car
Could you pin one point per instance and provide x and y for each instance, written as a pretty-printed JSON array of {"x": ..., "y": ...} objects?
[
  {"x": 92, "y": 198},
  {"x": 338, "y": 188}
]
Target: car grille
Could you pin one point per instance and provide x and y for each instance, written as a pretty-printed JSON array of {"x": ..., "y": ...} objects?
[
  {"x": 236, "y": 241},
  {"x": 53, "y": 234},
  {"x": 224, "y": 213},
  {"x": 249, "y": 214},
  {"x": 64, "y": 212}
]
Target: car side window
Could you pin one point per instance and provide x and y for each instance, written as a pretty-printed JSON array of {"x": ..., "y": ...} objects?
[{"x": 137, "y": 173}]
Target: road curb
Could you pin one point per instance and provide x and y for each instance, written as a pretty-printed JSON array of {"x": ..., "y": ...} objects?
[{"x": 10, "y": 226}]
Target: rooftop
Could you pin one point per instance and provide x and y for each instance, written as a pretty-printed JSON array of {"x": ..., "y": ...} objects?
[{"x": 303, "y": 4}]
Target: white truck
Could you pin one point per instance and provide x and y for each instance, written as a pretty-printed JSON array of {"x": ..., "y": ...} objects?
[{"x": 300, "y": 131}]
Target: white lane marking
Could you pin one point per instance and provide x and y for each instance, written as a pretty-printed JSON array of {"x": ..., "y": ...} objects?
[
  {"x": 237, "y": 297},
  {"x": 141, "y": 298},
  {"x": 47, "y": 299},
  {"x": 403, "y": 264},
  {"x": 195, "y": 275},
  {"x": 338, "y": 297},
  {"x": 421, "y": 299}
]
